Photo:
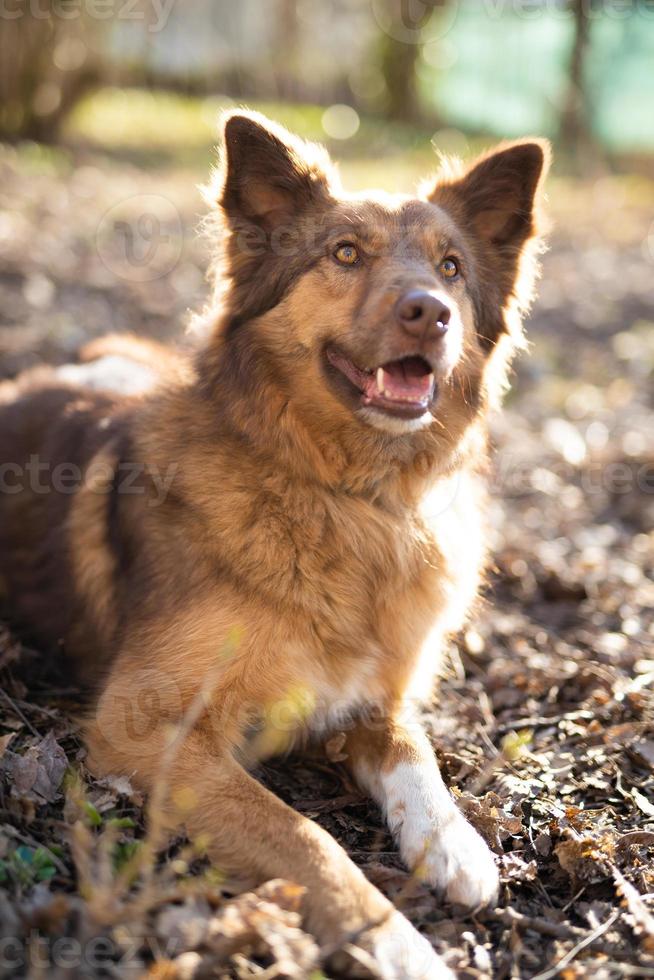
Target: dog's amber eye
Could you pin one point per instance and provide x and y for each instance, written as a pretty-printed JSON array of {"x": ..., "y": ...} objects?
[
  {"x": 347, "y": 254},
  {"x": 450, "y": 268}
]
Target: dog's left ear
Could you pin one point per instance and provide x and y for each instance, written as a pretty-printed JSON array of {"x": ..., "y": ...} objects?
[
  {"x": 497, "y": 205},
  {"x": 269, "y": 175},
  {"x": 498, "y": 195}
]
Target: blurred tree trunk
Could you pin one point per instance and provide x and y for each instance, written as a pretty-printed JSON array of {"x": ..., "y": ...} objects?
[
  {"x": 399, "y": 51},
  {"x": 398, "y": 68},
  {"x": 575, "y": 132},
  {"x": 45, "y": 67},
  {"x": 287, "y": 36}
]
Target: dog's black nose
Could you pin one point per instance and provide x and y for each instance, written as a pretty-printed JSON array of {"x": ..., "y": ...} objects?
[{"x": 422, "y": 314}]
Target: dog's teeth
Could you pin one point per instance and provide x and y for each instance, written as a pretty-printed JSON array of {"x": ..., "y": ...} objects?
[
  {"x": 380, "y": 380},
  {"x": 431, "y": 379}
]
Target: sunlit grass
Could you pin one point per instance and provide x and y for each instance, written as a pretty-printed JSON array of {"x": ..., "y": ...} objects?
[
  {"x": 396, "y": 174},
  {"x": 165, "y": 129},
  {"x": 134, "y": 118}
]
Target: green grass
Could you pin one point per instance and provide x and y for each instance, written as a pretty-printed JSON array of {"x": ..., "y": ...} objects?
[
  {"x": 163, "y": 129},
  {"x": 158, "y": 130},
  {"x": 134, "y": 117}
]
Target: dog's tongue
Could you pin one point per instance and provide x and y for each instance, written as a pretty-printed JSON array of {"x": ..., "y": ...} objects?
[
  {"x": 407, "y": 380},
  {"x": 408, "y": 383}
]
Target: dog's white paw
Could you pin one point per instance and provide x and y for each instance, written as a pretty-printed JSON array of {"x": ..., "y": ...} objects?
[
  {"x": 400, "y": 952},
  {"x": 451, "y": 856},
  {"x": 436, "y": 841}
]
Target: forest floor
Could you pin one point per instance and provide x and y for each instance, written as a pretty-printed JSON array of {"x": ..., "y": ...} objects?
[{"x": 544, "y": 721}]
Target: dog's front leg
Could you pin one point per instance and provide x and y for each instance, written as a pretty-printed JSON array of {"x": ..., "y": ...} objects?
[
  {"x": 248, "y": 831},
  {"x": 397, "y": 766}
]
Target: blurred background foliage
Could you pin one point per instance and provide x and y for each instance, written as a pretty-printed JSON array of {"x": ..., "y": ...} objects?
[
  {"x": 579, "y": 71},
  {"x": 105, "y": 101}
]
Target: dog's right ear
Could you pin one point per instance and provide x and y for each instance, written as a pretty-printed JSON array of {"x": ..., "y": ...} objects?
[{"x": 269, "y": 176}]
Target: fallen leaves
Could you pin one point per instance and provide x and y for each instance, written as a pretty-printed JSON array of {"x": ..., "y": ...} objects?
[
  {"x": 547, "y": 728},
  {"x": 36, "y": 775},
  {"x": 644, "y": 805},
  {"x": 489, "y": 816},
  {"x": 639, "y": 917},
  {"x": 585, "y": 859},
  {"x": 5, "y": 742},
  {"x": 264, "y": 924}
]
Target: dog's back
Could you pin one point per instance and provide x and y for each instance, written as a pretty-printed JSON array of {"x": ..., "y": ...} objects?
[
  {"x": 53, "y": 423},
  {"x": 48, "y": 432}
]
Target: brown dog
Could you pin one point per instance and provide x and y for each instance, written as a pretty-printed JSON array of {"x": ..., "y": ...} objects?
[{"x": 271, "y": 544}]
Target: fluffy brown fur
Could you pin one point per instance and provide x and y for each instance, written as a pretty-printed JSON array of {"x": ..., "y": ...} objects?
[{"x": 249, "y": 548}]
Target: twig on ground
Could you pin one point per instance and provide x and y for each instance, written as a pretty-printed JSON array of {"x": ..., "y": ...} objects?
[
  {"x": 509, "y": 917},
  {"x": 635, "y": 837},
  {"x": 544, "y": 722},
  {"x": 587, "y": 941},
  {"x": 628, "y": 970},
  {"x": 18, "y": 712},
  {"x": 574, "y": 898}
]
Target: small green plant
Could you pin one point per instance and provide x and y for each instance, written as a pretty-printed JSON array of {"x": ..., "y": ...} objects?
[
  {"x": 126, "y": 852},
  {"x": 28, "y": 865}
]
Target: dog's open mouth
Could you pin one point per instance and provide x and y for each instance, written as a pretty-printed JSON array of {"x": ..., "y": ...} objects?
[{"x": 405, "y": 387}]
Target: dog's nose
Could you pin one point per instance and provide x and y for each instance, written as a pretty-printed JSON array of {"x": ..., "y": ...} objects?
[{"x": 422, "y": 314}]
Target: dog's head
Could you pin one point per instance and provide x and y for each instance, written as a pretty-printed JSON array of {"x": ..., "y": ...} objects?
[{"x": 376, "y": 310}]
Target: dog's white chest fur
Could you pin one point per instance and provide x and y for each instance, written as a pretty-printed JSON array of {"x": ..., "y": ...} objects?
[{"x": 338, "y": 700}]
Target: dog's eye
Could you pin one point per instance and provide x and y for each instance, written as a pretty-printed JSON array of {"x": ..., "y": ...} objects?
[
  {"x": 346, "y": 254},
  {"x": 450, "y": 268}
]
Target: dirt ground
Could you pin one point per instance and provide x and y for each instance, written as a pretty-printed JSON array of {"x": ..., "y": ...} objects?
[{"x": 544, "y": 722}]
